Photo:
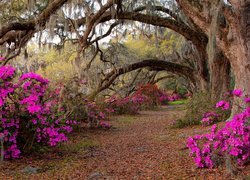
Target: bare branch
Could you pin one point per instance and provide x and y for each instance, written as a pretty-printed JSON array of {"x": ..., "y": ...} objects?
[
  {"x": 93, "y": 20},
  {"x": 112, "y": 26}
]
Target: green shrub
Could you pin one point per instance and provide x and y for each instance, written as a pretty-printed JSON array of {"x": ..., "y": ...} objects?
[{"x": 199, "y": 104}]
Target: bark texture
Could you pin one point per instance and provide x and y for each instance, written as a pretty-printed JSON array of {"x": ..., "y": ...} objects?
[{"x": 219, "y": 77}]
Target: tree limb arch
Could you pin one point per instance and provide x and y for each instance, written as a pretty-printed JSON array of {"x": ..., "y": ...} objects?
[
  {"x": 33, "y": 24},
  {"x": 153, "y": 64}
]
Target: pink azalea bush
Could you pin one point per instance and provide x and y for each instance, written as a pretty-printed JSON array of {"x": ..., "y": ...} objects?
[
  {"x": 127, "y": 105},
  {"x": 28, "y": 114},
  {"x": 237, "y": 92},
  {"x": 97, "y": 115},
  {"x": 145, "y": 97},
  {"x": 223, "y": 104},
  {"x": 174, "y": 97},
  {"x": 164, "y": 98},
  {"x": 232, "y": 141},
  {"x": 209, "y": 118},
  {"x": 87, "y": 112},
  {"x": 105, "y": 125},
  {"x": 155, "y": 95}
]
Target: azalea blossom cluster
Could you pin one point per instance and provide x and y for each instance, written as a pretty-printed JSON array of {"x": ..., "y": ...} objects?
[
  {"x": 164, "y": 98},
  {"x": 9, "y": 124},
  {"x": 6, "y": 73},
  {"x": 174, "y": 97},
  {"x": 105, "y": 125},
  {"x": 145, "y": 97},
  {"x": 223, "y": 104},
  {"x": 232, "y": 141},
  {"x": 127, "y": 105},
  {"x": 97, "y": 116},
  {"x": 153, "y": 93},
  {"x": 156, "y": 95},
  {"x": 209, "y": 118},
  {"x": 26, "y": 116}
]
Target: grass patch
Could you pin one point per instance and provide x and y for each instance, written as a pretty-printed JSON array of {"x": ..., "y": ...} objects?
[
  {"x": 70, "y": 150},
  {"x": 178, "y": 102},
  {"x": 79, "y": 145}
]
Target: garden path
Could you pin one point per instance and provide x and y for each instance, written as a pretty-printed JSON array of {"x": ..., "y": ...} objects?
[{"x": 138, "y": 147}]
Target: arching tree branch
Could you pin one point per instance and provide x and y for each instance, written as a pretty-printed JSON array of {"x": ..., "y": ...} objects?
[
  {"x": 177, "y": 26},
  {"x": 33, "y": 24},
  {"x": 153, "y": 64}
]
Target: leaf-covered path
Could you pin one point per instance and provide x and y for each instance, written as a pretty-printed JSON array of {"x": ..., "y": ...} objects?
[{"x": 139, "y": 147}]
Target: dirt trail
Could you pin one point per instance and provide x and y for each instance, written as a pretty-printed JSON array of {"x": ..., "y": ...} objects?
[{"x": 139, "y": 147}]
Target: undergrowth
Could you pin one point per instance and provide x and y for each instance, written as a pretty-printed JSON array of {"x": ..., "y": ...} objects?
[{"x": 201, "y": 102}]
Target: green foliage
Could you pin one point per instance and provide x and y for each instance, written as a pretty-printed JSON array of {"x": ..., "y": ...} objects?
[
  {"x": 199, "y": 104},
  {"x": 49, "y": 62},
  {"x": 152, "y": 46},
  {"x": 141, "y": 47},
  {"x": 181, "y": 90},
  {"x": 58, "y": 65},
  {"x": 175, "y": 84}
]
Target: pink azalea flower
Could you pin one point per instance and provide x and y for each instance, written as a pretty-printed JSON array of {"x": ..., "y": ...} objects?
[
  {"x": 220, "y": 104},
  {"x": 34, "y": 108},
  {"x": 226, "y": 106},
  {"x": 223, "y": 104},
  {"x": 237, "y": 92},
  {"x": 247, "y": 99}
]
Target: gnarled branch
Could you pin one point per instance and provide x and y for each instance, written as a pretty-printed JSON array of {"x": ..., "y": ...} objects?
[{"x": 153, "y": 64}]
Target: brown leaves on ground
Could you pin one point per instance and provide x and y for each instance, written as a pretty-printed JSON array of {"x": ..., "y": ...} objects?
[{"x": 138, "y": 147}]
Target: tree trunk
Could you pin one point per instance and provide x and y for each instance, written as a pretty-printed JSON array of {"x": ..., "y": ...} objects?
[
  {"x": 241, "y": 69},
  {"x": 203, "y": 73},
  {"x": 232, "y": 37},
  {"x": 219, "y": 76},
  {"x": 237, "y": 50},
  {"x": 201, "y": 83}
]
